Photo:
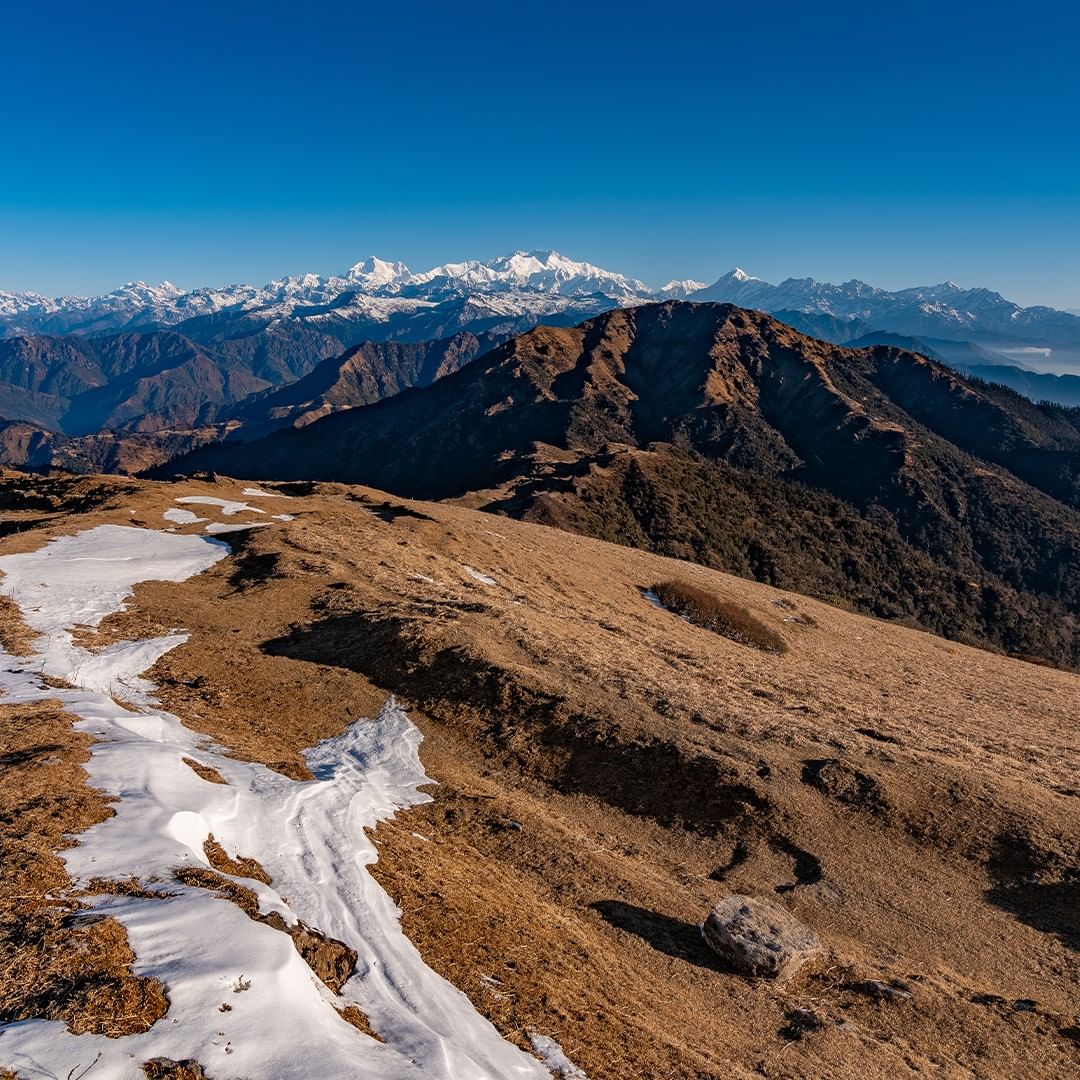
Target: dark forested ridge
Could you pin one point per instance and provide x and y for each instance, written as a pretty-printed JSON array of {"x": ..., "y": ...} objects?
[{"x": 876, "y": 477}]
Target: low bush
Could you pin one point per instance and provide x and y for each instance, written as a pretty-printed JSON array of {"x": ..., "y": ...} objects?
[{"x": 721, "y": 616}]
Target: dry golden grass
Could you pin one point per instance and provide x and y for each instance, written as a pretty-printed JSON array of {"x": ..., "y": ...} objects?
[
  {"x": 206, "y": 772},
  {"x": 166, "y": 1069},
  {"x": 606, "y": 771},
  {"x": 56, "y": 964},
  {"x": 127, "y": 887},
  {"x": 723, "y": 617},
  {"x": 15, "y": 636},
  {"x": 198, "y": 877},
  {"x": 220, "y": 860},
  {"x": 353, "y": 1014}
]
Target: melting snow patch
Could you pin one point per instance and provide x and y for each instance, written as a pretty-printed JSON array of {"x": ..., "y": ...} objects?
[
  {"x": 485, "y": 579},
  {"x": 423, "y": 577},
  {"x": 228, "y": 507},
  {"x": 258, "y": 493},
  {"x": 309, "y": 836},
  {"x": 284, "y": 517},
  {"x": 554, "y": 1057},
  {"x": 181, "y": 517}
]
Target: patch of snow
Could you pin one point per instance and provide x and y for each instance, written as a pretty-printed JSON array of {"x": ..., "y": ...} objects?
[
  {"x": 422, "y": 577},
  {"x": 308, "y": 835},
  {"x": 258, "y": 493},
  {"x": 284, "y": 517},
  {"x": 485, "y": 579},
  {"x": 181, "y": 517},
  {"x": 554, "y": 1057},
  {"x": 228, "y": 506}
]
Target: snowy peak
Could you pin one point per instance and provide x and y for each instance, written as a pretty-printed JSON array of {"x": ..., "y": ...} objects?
[
  {"x": 517, "y": 290},
  {"x": 947, "y": 310},
  {"x": 736, "y": 287},
  {"x": 679, "y": 290},
  {"x": 534, "y": 271},
  {"x": 375, "y": 273}
]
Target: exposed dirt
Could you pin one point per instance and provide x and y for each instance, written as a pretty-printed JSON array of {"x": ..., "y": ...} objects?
[
  {"x": 606, "y": 771},
  {"x": 167, "y": 1069}
]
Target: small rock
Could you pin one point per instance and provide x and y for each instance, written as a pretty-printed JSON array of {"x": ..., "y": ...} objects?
[
  {"x": 799, "y": 1023},
  {"x": 759, "y": 937},
  {"x": 883, "y": 991}
]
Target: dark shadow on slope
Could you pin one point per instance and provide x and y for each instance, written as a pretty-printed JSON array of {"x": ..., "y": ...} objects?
[
  {"x": 1030, "y": 886},
  {"x": 674, "y": 937},
  {"x": 254, "y": 568},
  {"x": 807, "y": 867},
  {"x": 388, "y": 511},
  {"x": 14, "y": 758},
  {"x": 572, "y": 749}
]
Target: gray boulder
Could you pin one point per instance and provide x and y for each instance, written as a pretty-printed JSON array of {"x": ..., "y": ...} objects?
[{"x": 759, "y": 938}]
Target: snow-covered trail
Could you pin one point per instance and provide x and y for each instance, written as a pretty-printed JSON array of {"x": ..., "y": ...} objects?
[{"x": 281, "y": 1021}]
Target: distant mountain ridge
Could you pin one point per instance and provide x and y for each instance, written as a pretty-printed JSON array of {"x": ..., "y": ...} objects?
[
  {"x": 156, "y": 359},
  {"x": 946, "y": 310},
  {"x": 362, "y": 375},
  {"x": 722, "y": 435},
  {"x": 376, "y": 299},
  {"x": 374, "y": 291}
]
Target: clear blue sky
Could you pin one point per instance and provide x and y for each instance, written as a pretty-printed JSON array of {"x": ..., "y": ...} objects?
[{"x": 903, "y": 144}]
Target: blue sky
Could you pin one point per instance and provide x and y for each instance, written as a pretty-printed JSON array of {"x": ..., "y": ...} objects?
[{"x": 206, "y": 143}]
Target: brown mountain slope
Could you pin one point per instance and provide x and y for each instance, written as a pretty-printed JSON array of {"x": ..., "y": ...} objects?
[
  {"x": 127, "y": 402},
  {"x": 733, "y": 409},
  {"x": 34, "y": 449},
  {"x": 144, "y": 382},
  {"x": 364, "y": 374},
  {"x": 605, "y": 772}
]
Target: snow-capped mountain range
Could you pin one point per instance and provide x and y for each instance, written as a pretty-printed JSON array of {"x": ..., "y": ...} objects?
[
  {"x": 947, "y": 310},
  {"x": 381, "y": 299},
  {"x": 539, "y": 282}
]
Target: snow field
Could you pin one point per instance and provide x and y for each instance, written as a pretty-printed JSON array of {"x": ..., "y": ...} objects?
[{"x": 308, "y": 835}]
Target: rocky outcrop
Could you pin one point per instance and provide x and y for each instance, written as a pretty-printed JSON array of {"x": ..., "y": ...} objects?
[{"x": 759, "y": 938}]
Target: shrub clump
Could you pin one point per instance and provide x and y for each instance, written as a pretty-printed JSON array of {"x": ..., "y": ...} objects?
[{"x": 721, "y": 616}]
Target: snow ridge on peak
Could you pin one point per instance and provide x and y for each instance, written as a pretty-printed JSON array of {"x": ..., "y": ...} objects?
[{"x": 514, "y": 291}]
